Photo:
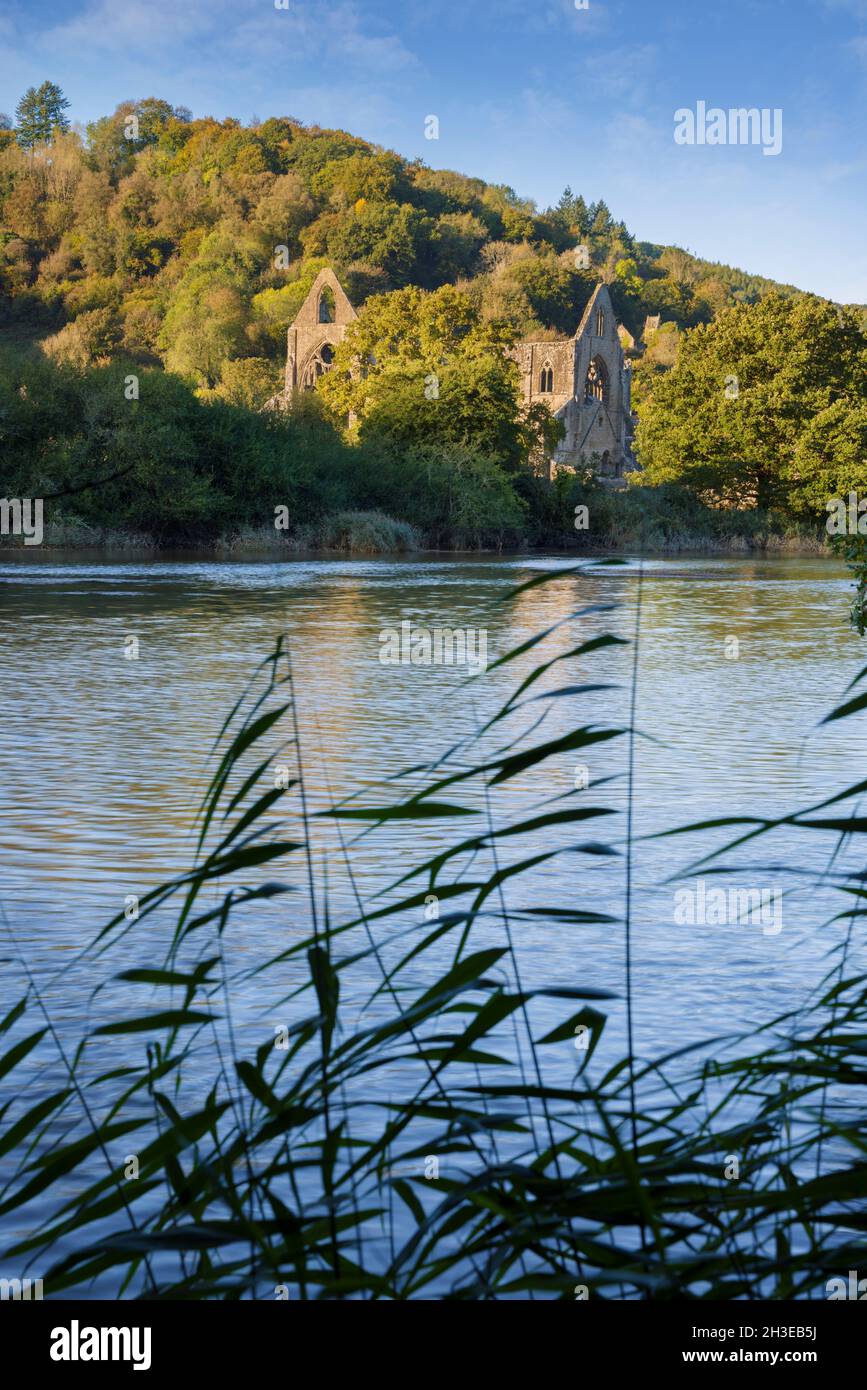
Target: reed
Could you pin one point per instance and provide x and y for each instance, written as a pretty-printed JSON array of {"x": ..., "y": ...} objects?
[{"x": 428, "y": 1147}]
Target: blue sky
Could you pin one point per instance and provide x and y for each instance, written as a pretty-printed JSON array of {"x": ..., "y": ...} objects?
[{"x": 533, "y": 93}]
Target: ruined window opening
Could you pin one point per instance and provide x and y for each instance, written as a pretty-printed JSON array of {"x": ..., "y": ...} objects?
[
  {"x": 319, "y": 363},
  {"x": 596, "y": 385},
  {"x": 546, "y": 379}
]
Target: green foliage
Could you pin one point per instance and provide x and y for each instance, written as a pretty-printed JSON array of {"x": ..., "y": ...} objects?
[
  {"x": 433, "y": 371},
  {"x": 187, "y": 468},
  {"x": 455, "y": 496},
  {"x": 764, "y": 407},
  {"x": 670, "y": 518},
  {"x": 246, "y": 381},
  {"x": 830, "y": 458},
  {"x": 390, "y": 235},
  {"x": 39, "y": 114},
  {"x": 853, "y": 549},
  {"x": 114, "y": 141},
  {"x": 360, "y": 533},
  {"x": 164, "y": 464},
  {"x": 151, "y": 192}
]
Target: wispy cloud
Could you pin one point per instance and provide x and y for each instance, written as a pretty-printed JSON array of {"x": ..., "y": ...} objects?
[
  {"x": 628, "y": 77},
  {"x": 856, "y": 7},
  {"x": 247, "y": 34}
]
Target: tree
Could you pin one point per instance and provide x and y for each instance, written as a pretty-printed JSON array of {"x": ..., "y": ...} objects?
[
  {"x": 114, "y": 141},
  {"x": 763, "y": 407},
  {"x": 209, "y": 315},
  {"x": 39, "y": 113},
  {"x": 372, "y": 177},
  {"x": 246, "y": 381},
  {"x": 830, "y": 459},
  {"x": 626, "y": 274},
  {"x": 599, "y": 218},
  {"x": 457, "y": 239},
  {"x": 572, "y": 211},
  {"x": 388, "y": 235},
  {"x": 420, "y": 367}
]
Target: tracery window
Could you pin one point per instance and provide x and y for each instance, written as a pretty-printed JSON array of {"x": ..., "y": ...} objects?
[
  {"x": 546, "y": 378},
  {"x": 596, "y": 385},
  {"x": 319, "y": 363}
]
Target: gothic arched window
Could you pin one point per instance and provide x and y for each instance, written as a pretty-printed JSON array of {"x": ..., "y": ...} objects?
[
  {"x": 546, "y": 379},
  {"x": 319, "y": 363},
  {"x": 596, "y": 385},
  {"x": 326, "y": 306},
  {"x": 600, "y": 322}
]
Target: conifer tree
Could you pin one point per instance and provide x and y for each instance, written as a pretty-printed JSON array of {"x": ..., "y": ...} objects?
[{"x": 39, "y": 113}]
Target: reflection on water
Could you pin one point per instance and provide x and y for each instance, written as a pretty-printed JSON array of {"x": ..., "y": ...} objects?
[{"x": 104, "y": 758}]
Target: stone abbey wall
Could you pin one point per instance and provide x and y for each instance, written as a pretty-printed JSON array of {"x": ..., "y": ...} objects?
[
  {"x": 311, "y": 337},
  {"x": 584, "y": 381}
]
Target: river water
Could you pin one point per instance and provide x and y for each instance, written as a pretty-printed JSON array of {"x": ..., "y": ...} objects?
[{"x": 104, "y": 758}]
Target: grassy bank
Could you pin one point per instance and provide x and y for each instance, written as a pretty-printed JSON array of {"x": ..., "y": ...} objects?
[
  {"x": 637, "y": 520},
  {"x": 131, "y": 459},
  {"x": 668, "y": 519}
]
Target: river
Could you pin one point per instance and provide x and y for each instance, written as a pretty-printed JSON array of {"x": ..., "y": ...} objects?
[{"x": 104, "y": 757}]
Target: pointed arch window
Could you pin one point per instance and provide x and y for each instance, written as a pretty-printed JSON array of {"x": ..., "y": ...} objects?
[
  {"x": 596, "y": 385},
  {"x": 546, "y": 379},
  {"x": 326, "y": 305},
  {"x": 600, "y": 322},
  {"x": 319, "y": 363}
]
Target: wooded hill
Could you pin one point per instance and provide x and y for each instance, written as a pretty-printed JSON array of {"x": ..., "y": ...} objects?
[{"x": 192, "y": 243}]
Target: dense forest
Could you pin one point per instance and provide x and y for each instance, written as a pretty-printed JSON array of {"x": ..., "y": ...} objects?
[{"x": 151, "y": 263}]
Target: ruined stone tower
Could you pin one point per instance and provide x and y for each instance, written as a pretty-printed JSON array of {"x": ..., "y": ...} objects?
[
  {"x": 319, "y": 324},
  {"x": 585, "y": 382}
]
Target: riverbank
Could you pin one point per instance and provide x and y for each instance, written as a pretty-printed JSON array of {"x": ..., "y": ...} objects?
[{"x": 622, "y": 528}]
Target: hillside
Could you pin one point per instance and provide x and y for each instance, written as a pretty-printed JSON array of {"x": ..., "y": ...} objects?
[{"x": 191, "y": 244}]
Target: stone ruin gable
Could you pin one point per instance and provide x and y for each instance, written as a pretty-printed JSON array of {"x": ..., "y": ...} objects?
[
  {"x": 545, "y": 363},
  {"x": 593, "y": 426},
  {"x": 592, "y": 345},
  {"x": 308, "y": 335}
]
